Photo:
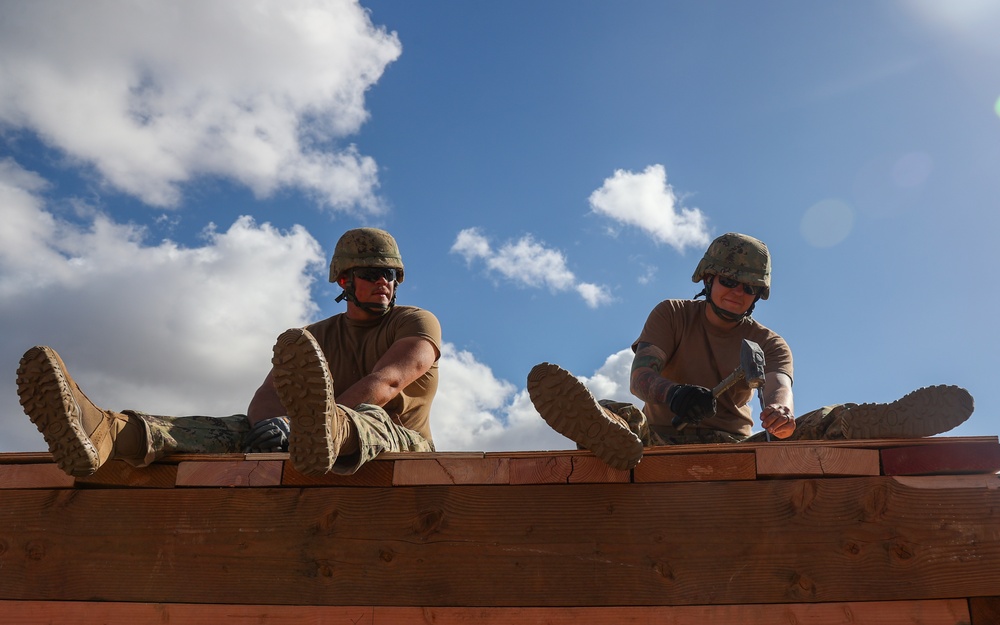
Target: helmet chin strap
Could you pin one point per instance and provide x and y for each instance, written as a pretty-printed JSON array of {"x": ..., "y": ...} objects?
[
  {"x": 723, "y": 314},
  {"x": 379, "y": 310}
]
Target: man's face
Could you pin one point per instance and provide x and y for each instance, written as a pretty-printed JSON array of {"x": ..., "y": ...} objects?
[
  {"x": 374, "y": 285},
  {"x": 732, "y": 296}
]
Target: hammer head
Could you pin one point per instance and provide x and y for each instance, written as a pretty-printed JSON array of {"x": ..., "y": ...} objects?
[{"x": 752, "y": 363}]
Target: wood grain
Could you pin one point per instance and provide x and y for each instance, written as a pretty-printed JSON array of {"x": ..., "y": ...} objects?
[{"x": 584, "y": 545}]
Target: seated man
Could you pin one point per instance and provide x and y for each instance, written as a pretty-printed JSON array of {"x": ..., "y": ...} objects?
[
  {"x": 687, "y": 347},
  {"x": 382, "y": 357}
]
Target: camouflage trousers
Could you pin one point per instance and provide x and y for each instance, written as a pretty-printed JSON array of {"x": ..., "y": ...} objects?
[
  {"x": 376, "y": 430},
  {"x": 827, "y": 423}
]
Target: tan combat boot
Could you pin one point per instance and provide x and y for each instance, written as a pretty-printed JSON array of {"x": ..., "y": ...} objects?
[
  {"x": 924, "y": 412},
  {"x": 570, "y": 409},
  {"x": 319, "y": 427},
  {"x": 81, "y": 436}
]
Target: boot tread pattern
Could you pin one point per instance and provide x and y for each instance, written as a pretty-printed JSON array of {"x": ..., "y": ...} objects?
[
  {"x": 924, "y": 412},
  {"x": 569, "y": 408},
  {"x": 47, "y": 399},
  {"x": 308, "y": 399}
]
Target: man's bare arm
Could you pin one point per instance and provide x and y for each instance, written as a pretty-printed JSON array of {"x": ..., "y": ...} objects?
[
  {"x": 400, "y": 366},
  {"x": 645, "y": 380},
  {"x": 265, "y": 403}
]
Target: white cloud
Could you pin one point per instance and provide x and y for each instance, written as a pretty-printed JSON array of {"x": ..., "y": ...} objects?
[
  {"x": 153, "y": 94},
  {"x": 474, "y": 411},
  {"x": 160, "y": 328},
  {"x": 173, "y": 330},
  {"x": 646, "y": 201},
  {"x": 527, "y": 263}
]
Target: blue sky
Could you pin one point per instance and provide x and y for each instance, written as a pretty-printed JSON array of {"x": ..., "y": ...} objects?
[{"x": 173, "y": 179}]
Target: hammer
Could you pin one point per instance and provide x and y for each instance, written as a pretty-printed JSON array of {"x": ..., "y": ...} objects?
[{"x": 751, "y": 369}]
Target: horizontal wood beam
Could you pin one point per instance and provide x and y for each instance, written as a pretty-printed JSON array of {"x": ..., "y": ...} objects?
[
  {"x": 935, "y": 612},
  {"x": 590, "y": 544}
]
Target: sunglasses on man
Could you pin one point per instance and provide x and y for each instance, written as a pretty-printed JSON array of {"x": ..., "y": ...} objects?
[
  {"x": 373, "y": 274},
  {"x": 729, "y": 283}
]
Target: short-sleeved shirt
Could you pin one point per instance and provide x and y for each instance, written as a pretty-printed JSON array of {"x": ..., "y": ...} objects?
[
  {"x": 699, "y": 353},
  {"x": 352, "y": 347}
]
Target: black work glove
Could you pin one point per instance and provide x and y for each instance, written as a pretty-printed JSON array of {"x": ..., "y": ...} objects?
[
  {"x": 267, "y": 436},
  {"x": 690, "y": 403}
]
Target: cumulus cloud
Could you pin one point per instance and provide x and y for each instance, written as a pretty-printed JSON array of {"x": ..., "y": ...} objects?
[
  {"x": 646, "y": 201},
  {"x": 527, "y": 263},
  {"x": 152, "y": 94},
  {"x": 155, "y": 327},
  {"x": 474, "y": 411}
]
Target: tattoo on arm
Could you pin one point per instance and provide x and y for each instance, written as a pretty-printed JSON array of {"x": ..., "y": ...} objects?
[{"x": 645, "y": 380}]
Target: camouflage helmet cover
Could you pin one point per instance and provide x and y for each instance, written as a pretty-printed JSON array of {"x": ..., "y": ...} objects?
[
  {"x": 365, "y": 247},
  {"x": 740, "y": 257}
]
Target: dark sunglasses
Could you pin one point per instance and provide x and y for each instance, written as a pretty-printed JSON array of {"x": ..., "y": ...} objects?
[
  {"x": 729, "y": 283},
  {"x": 372, "y": 274}
]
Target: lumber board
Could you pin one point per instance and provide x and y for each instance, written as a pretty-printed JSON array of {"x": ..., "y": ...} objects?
[
  {"x": 919, "y": 612},
  {"x": 372, "y": 474},
  {"x": 697, "y": 467},
  {"x": 984, "y": 610},
  {"x": 590, "y": 545},
  {"x": 816, "y": 461},
  {"x": 444, "y": 470},
  {"x": 34, "y": 476},
  {"x": 118, "y": 473},
  {"x": 246, "y": 473},
  {"x": 940, "y": 459}
]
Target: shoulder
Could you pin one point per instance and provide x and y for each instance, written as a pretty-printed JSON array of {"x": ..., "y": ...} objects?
[{"x": 413, "y": 321}]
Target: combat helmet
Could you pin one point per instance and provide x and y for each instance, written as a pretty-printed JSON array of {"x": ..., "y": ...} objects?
[
  {"x": 740, "y": 257},
  {"x": 365, "y": 247}
]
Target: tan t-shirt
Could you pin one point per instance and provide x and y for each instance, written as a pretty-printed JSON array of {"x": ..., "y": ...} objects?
[
  {"x": 699, "y": 353},
  {"x": 353, "y": 347}
]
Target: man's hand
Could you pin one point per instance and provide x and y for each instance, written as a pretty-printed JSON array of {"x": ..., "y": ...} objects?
[
  {"x": 690, "y": 403},
  {"x": 778, "y": 420},
  {"x": 269, "y": 435}
]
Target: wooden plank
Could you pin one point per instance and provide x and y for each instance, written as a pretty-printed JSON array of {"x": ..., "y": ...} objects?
[
  {"x": 589, "y": 545},
  {"x": 779, "y": 460},
  {"x": 942, "y": 459},
  {"x": 118, "y": 473},
  {"x": 231, "y": 473},
  {"x": 34, "y": 476},
  {"x": 541, "y": 470},
  {"x": 984, "y": 610},
  {"x": 376, "y": 473},
  {"x": 942, "y": 612},
  {"x": 444, "y": 470},
  {"x": 697, "y": 468}
]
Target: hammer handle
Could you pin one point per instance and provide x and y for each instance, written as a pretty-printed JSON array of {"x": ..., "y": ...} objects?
[{"x": 729, "y": 381}]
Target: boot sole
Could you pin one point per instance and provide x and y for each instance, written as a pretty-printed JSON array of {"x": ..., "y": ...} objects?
[
  {"x": 569, "y": 408},
  {"x": 308, "y": 399},
  {"x": 46, "y": 397},
  {"x": 924, "y": 412}
]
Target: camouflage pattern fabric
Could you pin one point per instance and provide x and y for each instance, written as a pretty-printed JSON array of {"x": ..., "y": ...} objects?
[
  {"x": 166, "y": 435},
  {"x": 827, "y": 423},
  {"x": 377, "y": 432},
  {"x": 637, "y": 422}
]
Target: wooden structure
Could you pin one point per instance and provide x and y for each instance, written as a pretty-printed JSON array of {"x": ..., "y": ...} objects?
[{"x": 820, "y": 533}]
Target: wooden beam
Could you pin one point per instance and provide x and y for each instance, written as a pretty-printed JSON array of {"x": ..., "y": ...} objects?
[
  {"x": 780, "y": 460},
  {"x": 696, "y": 468},
  {"x": 918, "y": 612},
  {"x": 942, "y": 459},
  {"x": 586, "y": 545}
]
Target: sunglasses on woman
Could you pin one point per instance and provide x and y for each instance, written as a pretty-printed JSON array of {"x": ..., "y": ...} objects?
[{"x": 729, "y": 283}]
